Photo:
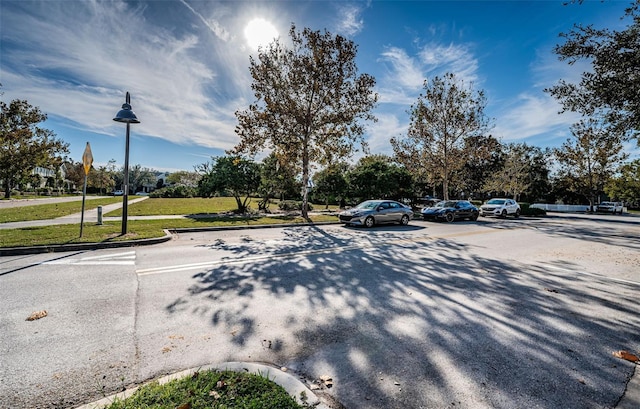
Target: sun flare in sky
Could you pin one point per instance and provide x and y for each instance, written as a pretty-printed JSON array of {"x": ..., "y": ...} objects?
[{"x": 259, "y": 32}]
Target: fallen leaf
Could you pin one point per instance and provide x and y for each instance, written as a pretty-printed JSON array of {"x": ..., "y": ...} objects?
[
  {"x": 37, "y": 315},
  {"x": 626, "y": 355},
  {"x": 327, "y": 380},
  {"x": 284, "y": 369},
  {"x": 551, "y": 290},
  {"x": 215, "y": 394},
  {"x": 184, "y": 406}
]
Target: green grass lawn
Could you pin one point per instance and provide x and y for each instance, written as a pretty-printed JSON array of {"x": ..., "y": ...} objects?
[
  {"x": 195, "y": 205},
  {"x": 208, "y": 211},
  {"x": 51, "y": 210}
]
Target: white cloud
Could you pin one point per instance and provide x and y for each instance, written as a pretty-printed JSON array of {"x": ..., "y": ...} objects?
[
  {"x": 351, "y": 22},
  {"x": 216, "y": 28},
  {"x": 533, "y": 116},
  {"x": 96, "y": 51},
  {"x": 458, "y": 59},
  {"x": 406, "y": 74},
  {"x": 387, "y": 127}
]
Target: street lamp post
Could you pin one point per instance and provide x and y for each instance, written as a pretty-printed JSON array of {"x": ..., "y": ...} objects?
[{"x": 127, "y": 116}]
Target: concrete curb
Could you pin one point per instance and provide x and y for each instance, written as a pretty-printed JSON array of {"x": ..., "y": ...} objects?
[
  {"x": 631, "y": 397},
  {"x": 56, "y": 248},
  {"x": 290, "y": 383}
]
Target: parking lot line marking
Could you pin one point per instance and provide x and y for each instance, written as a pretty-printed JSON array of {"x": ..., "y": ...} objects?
[{"x": 213, "y": 263}]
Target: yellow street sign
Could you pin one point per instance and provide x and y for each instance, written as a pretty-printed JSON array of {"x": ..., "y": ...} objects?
[{"x": 87, "y": 159}]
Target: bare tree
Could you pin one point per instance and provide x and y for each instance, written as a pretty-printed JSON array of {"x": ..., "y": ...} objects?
[
  {"x": 309, "y": 102},
  {"x": 442, "y": 119},
  {"x": 590, "y": 159}
]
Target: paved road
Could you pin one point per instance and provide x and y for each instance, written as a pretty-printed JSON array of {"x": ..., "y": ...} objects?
[{"x": 494, "y": 314}]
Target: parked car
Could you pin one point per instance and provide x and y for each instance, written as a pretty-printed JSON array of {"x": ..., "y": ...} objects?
[
  {"x": 610, "y": 207},
  {"x": 450, "y": 210},
  {"x": 118, "y": 192},
  {"x": 372, "y": 212},
  {"x": 500, "y": 207},
  {"x": 428, "y": 201}
]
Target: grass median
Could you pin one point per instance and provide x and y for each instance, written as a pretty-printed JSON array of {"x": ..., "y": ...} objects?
[
  {"x": 214, "y": 212},
  {"x": 213, "y": 389}
]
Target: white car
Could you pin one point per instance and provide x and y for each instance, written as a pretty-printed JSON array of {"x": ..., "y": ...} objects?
[
  {"x": 500, "y": 208},
  {"x": 610, "y": 207}
]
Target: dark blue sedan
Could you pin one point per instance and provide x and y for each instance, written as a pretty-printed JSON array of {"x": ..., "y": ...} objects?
[{"x": 450, "y": 210}]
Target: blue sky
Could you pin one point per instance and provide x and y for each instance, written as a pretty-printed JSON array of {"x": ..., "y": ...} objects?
[{"x": 185, "y": 63}]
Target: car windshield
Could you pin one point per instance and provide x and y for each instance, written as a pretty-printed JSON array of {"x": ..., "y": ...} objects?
[
  {"x": 496, "y": 201},
  {"x": 606, "y": 204},
  {"x": 446, "y": 203},
  {"x": 369, "y": 204}
]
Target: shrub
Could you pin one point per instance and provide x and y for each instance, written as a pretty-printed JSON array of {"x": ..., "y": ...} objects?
[
  {"x": 527, "y": 210},
  {"x": 289, "y": 205},
  {"x": 181, "y": 191}
]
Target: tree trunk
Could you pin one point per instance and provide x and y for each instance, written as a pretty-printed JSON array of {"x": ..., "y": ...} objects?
[
  {"x": 305, "y": 177},
  {"x": 445, "y": 189},
  {"x": 7, "y": 189},
  {"x": 240, "y": 205}
]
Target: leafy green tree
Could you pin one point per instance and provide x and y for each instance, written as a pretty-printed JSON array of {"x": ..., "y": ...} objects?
[
  {"x": 101, "y": 178},
  {"x": 183, "y": 178},
  {"x": 230, "y": 175},
  {"x": 24, "y": 145},
  {"x": 310, "y": 102},
  {"x": 442, "y": 119},
  {"x": 483, "y": 159},
  {"x": 611, "y": 86},
  {"x": 331, "y": 182},
  {"x": 74, "y": 172},
  {"x": 276, "y": 180},
  {"x": 626, "y": 185},
  {"x": 378, "y": 177},
  {"x": 589, "y": 160},
  {"x": 140, "y": 177}
]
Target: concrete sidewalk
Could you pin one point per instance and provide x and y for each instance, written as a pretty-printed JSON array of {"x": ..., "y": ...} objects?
[{"x": 90, "y": 216}]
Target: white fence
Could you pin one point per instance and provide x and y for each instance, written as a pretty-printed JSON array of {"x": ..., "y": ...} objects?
[
  {"x": 565, "y": 208},
  {"x": 561, "y": 207}
]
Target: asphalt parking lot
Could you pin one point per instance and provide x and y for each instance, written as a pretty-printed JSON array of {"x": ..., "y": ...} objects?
[{"x": 493, "y": 314}]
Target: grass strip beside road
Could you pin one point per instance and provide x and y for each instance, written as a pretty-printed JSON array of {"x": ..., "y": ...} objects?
[
  {"x": 52, "y": 210},
  {"x": 137, "y": 229}
]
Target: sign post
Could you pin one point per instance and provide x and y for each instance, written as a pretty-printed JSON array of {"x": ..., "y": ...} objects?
[{"x": 87, "y": 161}]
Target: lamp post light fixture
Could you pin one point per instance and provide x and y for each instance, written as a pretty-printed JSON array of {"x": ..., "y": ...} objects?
[{"x": 127, "y": 116}]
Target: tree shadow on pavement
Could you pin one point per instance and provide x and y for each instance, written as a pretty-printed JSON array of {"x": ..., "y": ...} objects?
[{"x": 411, "y": 322}]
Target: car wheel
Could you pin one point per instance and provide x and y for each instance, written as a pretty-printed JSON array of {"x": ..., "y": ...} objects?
[
  {"x": 517, "y": 213},
  {"x": 504, "y": 214},
  {"x": 369, "y": 222},
  {"x": 404, "y": 220},
  {"x": 474, "y": 217},
  {"x": 449, "y": 217}
]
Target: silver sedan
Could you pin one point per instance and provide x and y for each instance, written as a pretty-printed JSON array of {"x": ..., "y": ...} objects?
[{"x": 374, "y": 212}]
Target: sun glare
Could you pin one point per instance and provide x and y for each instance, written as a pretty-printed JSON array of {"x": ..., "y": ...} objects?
[{"x": 259, "y": 32}]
